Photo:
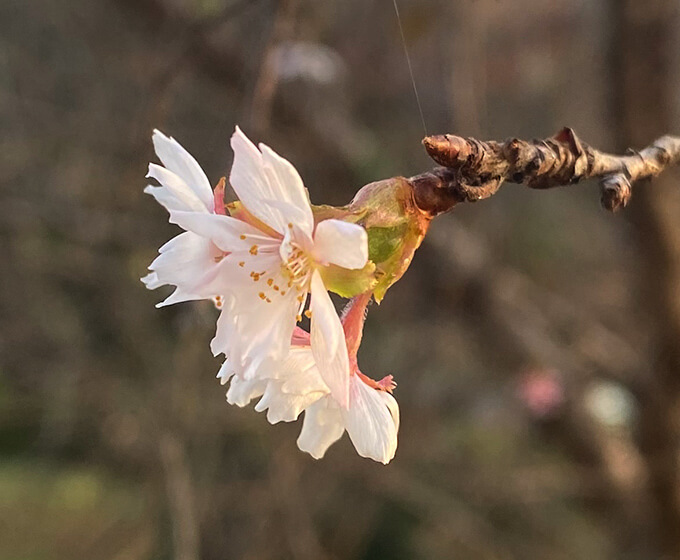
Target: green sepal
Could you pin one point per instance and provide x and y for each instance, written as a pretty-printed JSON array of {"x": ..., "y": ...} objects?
[
  {"x": 349, "y": 283},
  {"x": 395, "y": 228},
  {"x": 383, "y": 242},
  {"x": 323, "y": 212}
]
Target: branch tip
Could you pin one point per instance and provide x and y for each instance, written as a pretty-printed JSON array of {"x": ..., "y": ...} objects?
[{"x": 473, "y": 170}]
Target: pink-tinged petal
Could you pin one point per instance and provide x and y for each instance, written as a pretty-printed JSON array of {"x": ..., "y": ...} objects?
[
  {"x": 321, "y": 428},
  {"x": 176, "y": 159},
  {"x": 372, "y": 421},
  {"x": 294, "y": 215},
  {"x": 218, "y": 197},
  {"x": 341, "y": 243},
  {"x": 328, "y": 342},
  {"x": 228, "y": 233},
  {"x": 173, "y": 193},
  {"x": 258, "y": 178},
  {"x": 300, "y": 337}
]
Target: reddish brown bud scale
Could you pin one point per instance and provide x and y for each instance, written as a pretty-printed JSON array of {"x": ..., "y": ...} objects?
[{"x": 446, "y": 149}]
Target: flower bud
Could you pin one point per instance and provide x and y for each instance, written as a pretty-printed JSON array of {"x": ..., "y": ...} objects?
[{"x": 395, "y": 227}]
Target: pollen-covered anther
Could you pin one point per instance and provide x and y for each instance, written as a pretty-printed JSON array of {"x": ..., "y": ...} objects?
[
  {"x": 253, "y": 250},
  {"x": 308, "y": 314},
  {"x": 297, "y": 268},
  {"x": 298, "y": 318}
]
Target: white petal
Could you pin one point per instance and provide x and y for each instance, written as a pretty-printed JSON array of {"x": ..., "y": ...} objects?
[
  {"x": 220, "y": 344},
  {"x": 174, "y": 193},
  {"x": 372, "y": 421},
  {"x": 181, "y": 163},
  {"x": 253, "y": 330},
  {"x": 225, "y": 372},
  {"x": 284, "y": 407},
  {"x": 283, "y": 173},
  {"x": 167, "y": 199},
  {"x": 322, "y": 427},
  {"x": 299, "y": 384},
  {"x": 341, "y": 243},
  {"x": 242, "y": 391},
  {"x": 182, "y": 259},
  {"x": 328, "y": 342},
  {"x": 299, "y": 374},
  {"x": 151, "y": 281},
  {"x": 260, "y": 177},
  {"x": 179, "y": 296},
  {"x": 229, "y": 234},
  {"x": 187, "y": 262}
]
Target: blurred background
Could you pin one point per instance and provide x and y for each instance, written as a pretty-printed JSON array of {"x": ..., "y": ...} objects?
[{"x": 535, "y": 339}]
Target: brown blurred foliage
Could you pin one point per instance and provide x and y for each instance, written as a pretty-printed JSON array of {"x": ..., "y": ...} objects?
[{"x": 533, "y": 339}]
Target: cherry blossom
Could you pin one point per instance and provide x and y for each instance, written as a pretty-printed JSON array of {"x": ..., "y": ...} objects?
[
  {"x": 371, "y": 418},
  {"x": 261, "y": 264}
]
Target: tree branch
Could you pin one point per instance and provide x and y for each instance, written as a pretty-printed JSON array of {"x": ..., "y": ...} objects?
[{"x": 473, "y": 170}]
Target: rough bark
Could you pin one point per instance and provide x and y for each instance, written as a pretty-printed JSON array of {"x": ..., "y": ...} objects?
[{"x": 473, "y": 170}]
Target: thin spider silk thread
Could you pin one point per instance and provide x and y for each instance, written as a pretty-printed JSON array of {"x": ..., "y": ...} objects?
[{"x": 410, "y": 68}]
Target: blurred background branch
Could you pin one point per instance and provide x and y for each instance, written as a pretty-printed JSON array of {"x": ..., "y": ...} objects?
[{"x": 534, "y": 339}]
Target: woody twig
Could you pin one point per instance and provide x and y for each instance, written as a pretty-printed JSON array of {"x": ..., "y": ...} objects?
[{"x": 472, "y": 170}]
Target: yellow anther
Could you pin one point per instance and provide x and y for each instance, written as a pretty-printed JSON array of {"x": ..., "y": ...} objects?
[
  {"x": 270, "y": 282},
  {"x": 308, "y": 314},
  {"x": 243, "y": 236},
  {"x": 301, "y": 298},
  {"x": 276, "y": 288},
  {"x": 242, "y": 264},
  {"x": 253, "y": 250},
  {"x": 283, "y": 293},
  {"x": 298, "y": 318},
  {"x": 262, "y": 296}
]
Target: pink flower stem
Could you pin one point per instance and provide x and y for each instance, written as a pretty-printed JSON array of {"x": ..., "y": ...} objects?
[{"x": 353, "y": 317}]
